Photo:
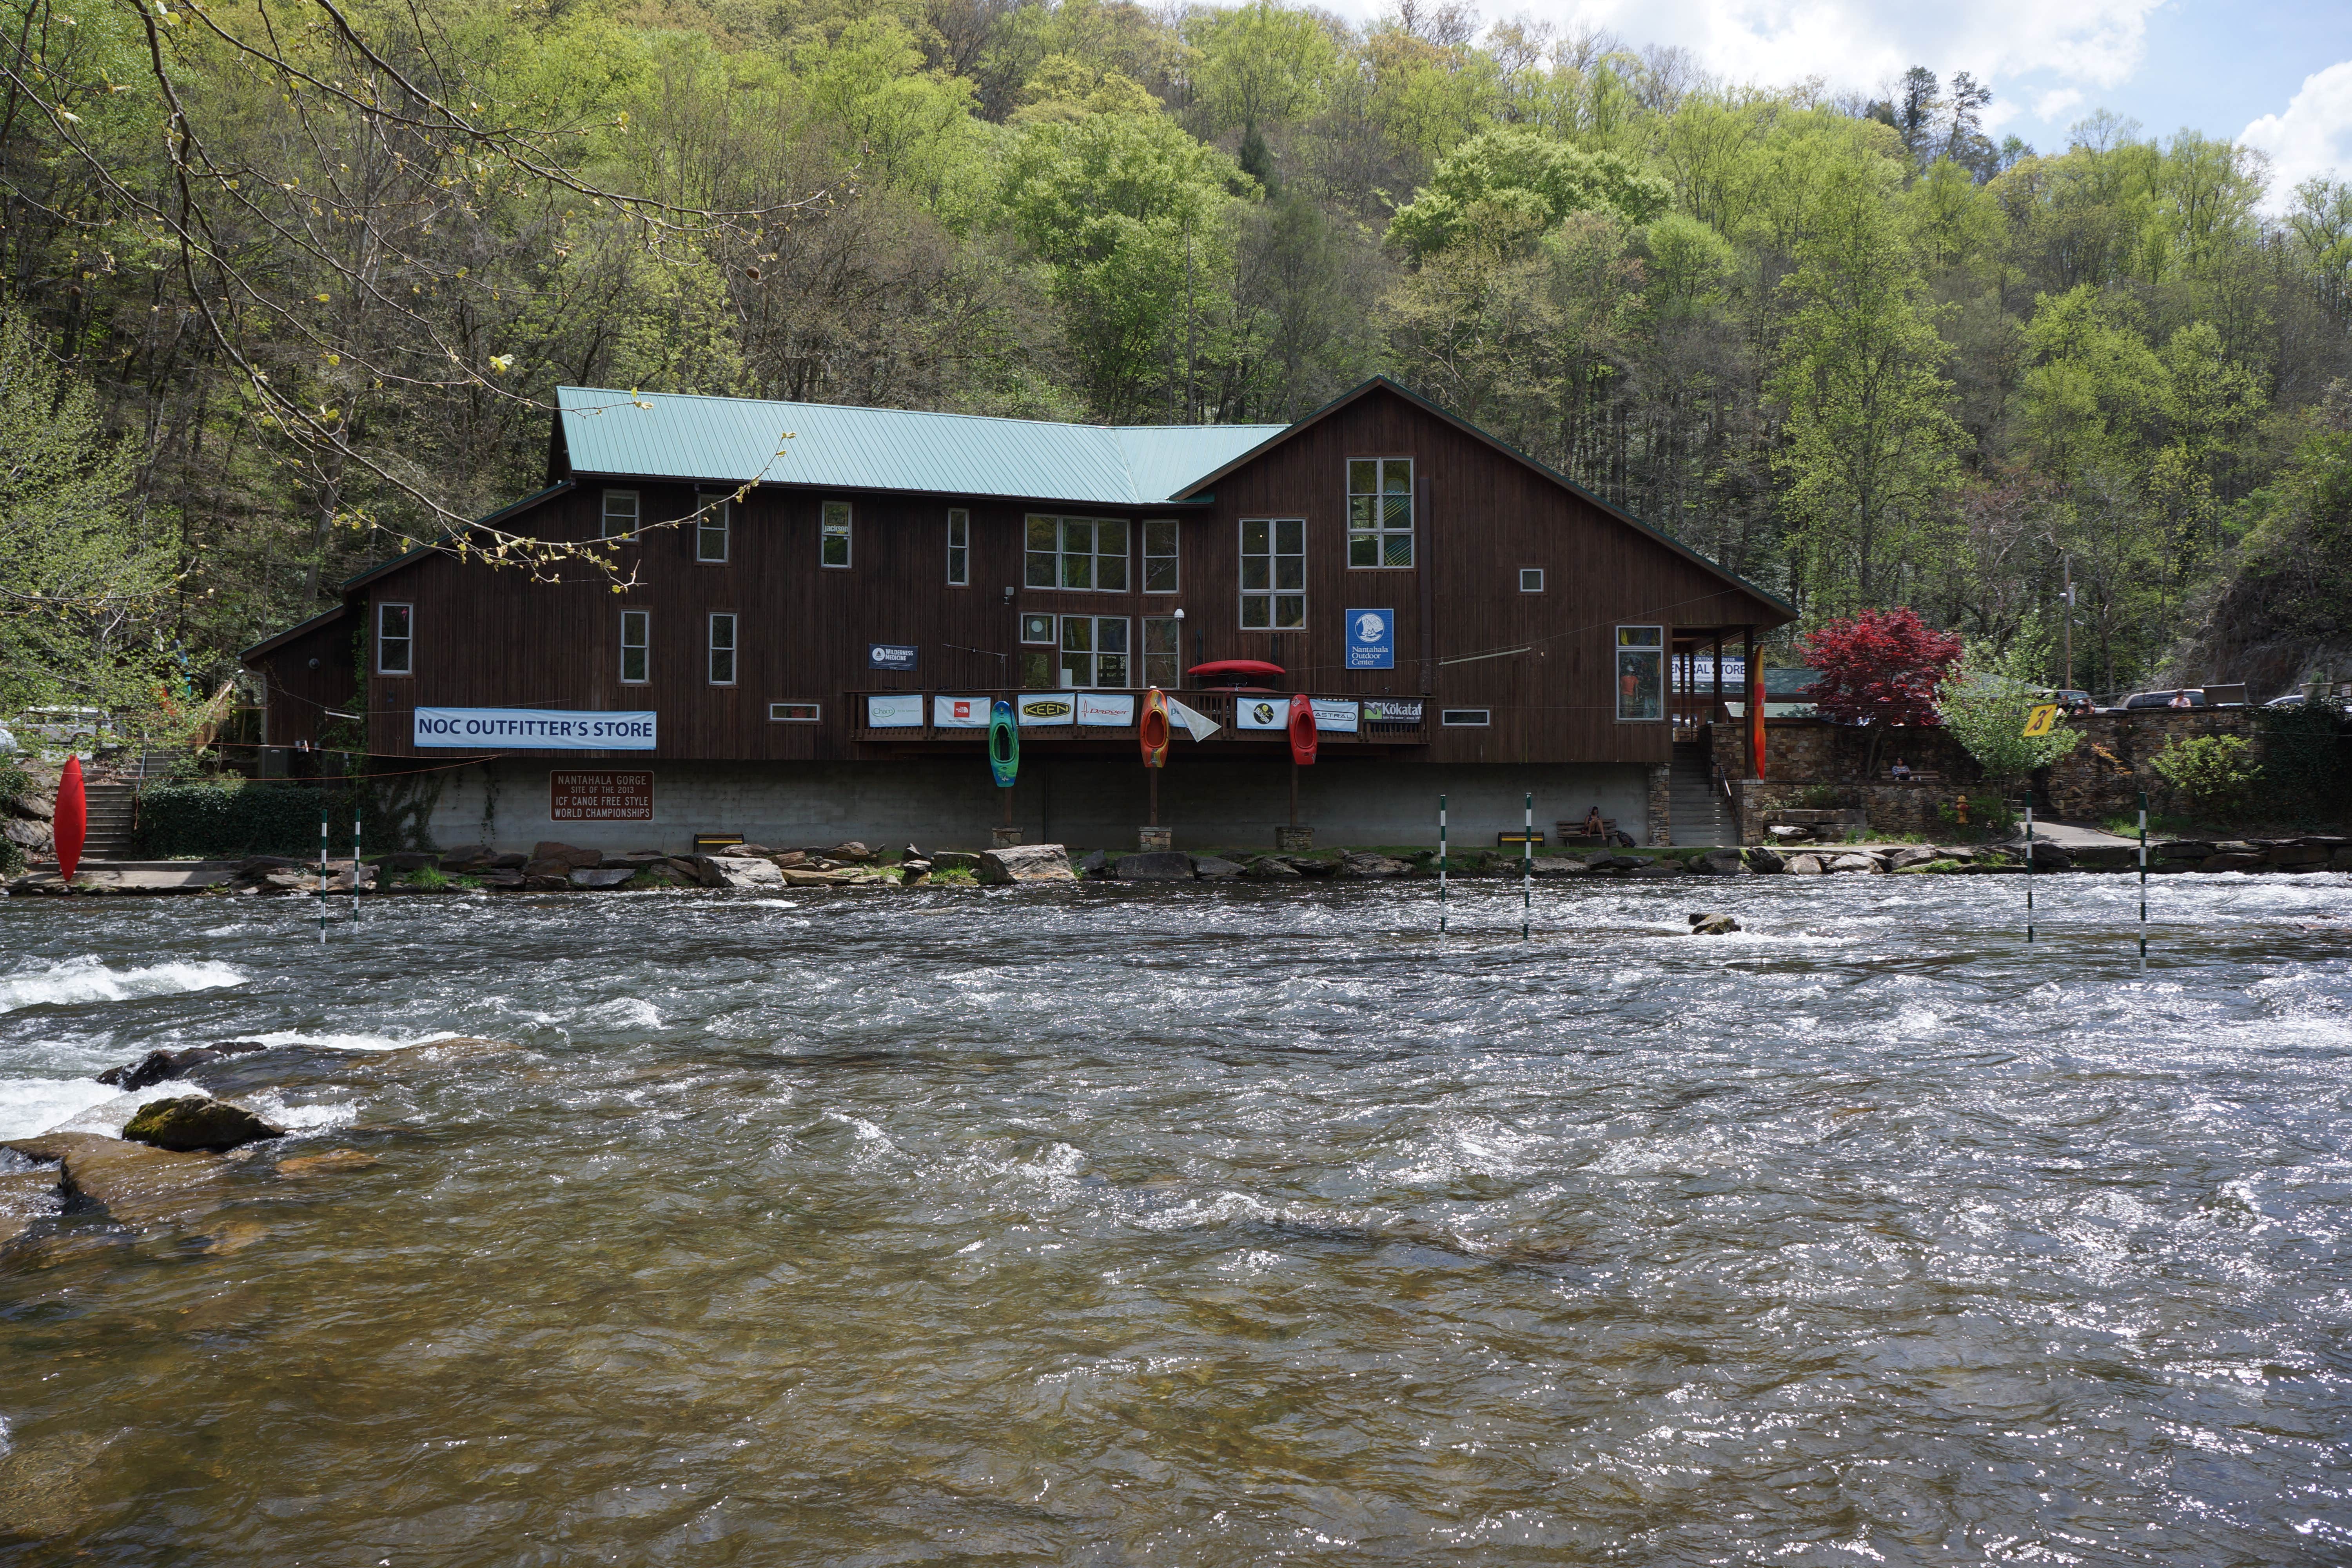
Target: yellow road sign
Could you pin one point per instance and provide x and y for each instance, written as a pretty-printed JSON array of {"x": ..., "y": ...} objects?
[{"x": 2040, "y": 720}]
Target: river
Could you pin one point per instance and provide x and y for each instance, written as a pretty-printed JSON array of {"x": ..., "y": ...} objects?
[{"x": 1211, "y": 1226}]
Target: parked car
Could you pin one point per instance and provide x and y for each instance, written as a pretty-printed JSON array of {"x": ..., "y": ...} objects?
[
  {"x": 2138, "y": 700},
  {"x": 2292, "y": 699}
]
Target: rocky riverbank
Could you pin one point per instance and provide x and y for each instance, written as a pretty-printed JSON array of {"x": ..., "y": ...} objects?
[{"x": 557, "y": 867}]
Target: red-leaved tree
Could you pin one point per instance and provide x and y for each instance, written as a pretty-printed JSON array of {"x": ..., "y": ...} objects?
[{"x": 1881, "y": 667}]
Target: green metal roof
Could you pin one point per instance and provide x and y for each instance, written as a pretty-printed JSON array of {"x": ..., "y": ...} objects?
[{"x": 674, "y": 435}]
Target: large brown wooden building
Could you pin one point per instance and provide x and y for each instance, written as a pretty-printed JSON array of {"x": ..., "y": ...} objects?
[{"x": 817, "y": 594}]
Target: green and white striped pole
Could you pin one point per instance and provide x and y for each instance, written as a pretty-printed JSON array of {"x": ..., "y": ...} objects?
[
  {"x": 2029, "y": 868},
  {"x": 322, "y": 866},
  {"x": 2143, "y": 882},
  {"x": 1440, "y": 865},
  {"x": 1528, "y": 867}
]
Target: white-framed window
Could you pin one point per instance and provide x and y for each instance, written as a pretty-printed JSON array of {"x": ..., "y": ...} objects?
[
  {"x": 722, "y": 648},
  {"x": 1076, "y": 553},
  {"x": 636, "y": 646},
  {"x": 1274, "y": 573},
  {"x": 795, "y": 712},
  {"x": 395, "y": 639},
  {"x": 1163, "y": 652},
  {"x": 1160, "y": 573},
  {"x": 1379, "y": 512},
  {"x": 833, "y": 541},
  {"x": 1037, "y": 628},
  {"x": 1088, "y": 651},
  {"x": 1531, "y": 579},
  {"x": 1641, "y": 674},
  {"x": 714, "y": 524},
  {"x": 621, "y": 514},
  {"x": 1465, "y": 717},
  {"x": 959, "y": 548}
]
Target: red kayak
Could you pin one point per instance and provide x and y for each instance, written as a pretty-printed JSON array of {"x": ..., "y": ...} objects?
[
  {"x": 1302, "y": 732},
  {"x": 72, "y": 821}
]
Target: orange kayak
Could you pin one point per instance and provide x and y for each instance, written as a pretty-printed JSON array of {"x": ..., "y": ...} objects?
[{"x": 1152, "y": 732}]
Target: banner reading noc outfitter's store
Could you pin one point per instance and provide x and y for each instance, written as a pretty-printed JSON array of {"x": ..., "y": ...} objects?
[{"x": 533, "y": 729}]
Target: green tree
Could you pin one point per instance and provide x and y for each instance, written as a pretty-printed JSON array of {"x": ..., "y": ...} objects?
[
  {"x": 1871, "y": 448},
  {"x": 1533, "y": 181},
  {"x": 1260, "y": 64},
  {"x": 1986, "y": 701},
  {"x": 82, "y": 578},
  {"x": 2212, "y": 774}
]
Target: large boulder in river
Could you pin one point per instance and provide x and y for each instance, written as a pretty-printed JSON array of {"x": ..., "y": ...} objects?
[
  {"x": 573, "y": 858},
  {"x": 1852, "y": 862},
  {"x": 1366, "y": 867},
  {"x": 1712, "y": 924},
  {"x": 736, "y": 872},
  {"x": 134, "y": 1183},
  {"x": 1154, "y": 866},
  {"x": 197, "y": 1121},
  {"x": 1210, "y": 867},
  {"x": 155, "y": 1067},
  {"x": 1030, "y": 863},
  {"x": 1266, "y": 869},
  {"x": 1805, "y": 865},
  {"x": 1722, "y": 862}
]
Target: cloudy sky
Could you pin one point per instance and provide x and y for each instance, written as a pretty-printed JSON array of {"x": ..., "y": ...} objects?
[{"x": 2276, "y": 73}]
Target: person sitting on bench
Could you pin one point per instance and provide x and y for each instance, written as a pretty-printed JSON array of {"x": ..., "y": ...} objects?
[
  {"x": 1901, "y": 770},
  {"x": 1593, "y": 828}
]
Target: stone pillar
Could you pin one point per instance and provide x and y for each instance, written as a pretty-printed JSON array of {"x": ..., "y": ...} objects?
[{"x": 1662, "y": 800}]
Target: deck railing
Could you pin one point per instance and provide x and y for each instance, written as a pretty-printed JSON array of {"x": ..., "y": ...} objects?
[{"x": 1377, "y": 721}]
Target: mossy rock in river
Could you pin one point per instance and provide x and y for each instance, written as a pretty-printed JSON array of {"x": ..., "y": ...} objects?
[{"x": 197, "y": 1121}]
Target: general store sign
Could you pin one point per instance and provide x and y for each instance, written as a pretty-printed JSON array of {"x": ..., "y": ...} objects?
[
  {"x": 533, "y": 729},
  {"x": 599, "y": 796}
]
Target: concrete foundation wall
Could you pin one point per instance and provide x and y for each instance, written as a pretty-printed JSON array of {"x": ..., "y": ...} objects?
[{"x": 1094, "y": 802}]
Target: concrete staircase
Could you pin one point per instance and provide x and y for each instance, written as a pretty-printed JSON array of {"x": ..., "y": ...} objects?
[
  {"x": 1701, "y": 815},
  {"x": 113, "y": 821}
]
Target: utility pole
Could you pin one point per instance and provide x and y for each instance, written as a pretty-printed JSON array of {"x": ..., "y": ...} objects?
[{"x": 2067, "y": 566}]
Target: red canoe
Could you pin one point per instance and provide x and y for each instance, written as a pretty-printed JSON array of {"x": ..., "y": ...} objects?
[
  {"x": 72, "y": 821},
  {"x": 1235, "y": 671},
  {"x": 1302, "y": 732}
]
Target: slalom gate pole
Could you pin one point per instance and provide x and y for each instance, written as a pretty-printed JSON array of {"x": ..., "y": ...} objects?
[
  {"x": 322, "y": 866},
  {"x": 1528, "y": 867},
  {"x": 2143, "y": 882},
  {"x": 2028, "y": 870},
  {"x": 1440, "y": 865},
  {"x": 355, "y": 868}
]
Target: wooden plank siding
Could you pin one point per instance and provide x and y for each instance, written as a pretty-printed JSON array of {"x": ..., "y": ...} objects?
[{"x": 492, "y": 638}]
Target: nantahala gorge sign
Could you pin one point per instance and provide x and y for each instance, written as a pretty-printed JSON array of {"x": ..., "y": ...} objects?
[
  {"x": 533, "y": 729},
  {"x": 1372, "y": 639}
]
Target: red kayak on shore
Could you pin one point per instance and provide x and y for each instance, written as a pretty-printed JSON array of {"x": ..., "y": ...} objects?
[{"x": 70, "y": 822}]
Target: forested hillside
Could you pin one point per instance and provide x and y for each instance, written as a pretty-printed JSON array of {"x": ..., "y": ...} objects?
[{"x": 320, "y": 269}]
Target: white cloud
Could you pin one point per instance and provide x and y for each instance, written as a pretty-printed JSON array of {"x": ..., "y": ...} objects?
[
  {"x": 2313, "y": 137},
  {"x": 2051, "y": 105},
  {"x": 1863, "y": 43}
]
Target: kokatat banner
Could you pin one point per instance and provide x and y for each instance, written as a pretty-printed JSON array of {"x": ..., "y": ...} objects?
[
  {"x": 1261, "y": 712},
  {"x": 1096, "y": 708},
  {"x": 1047, "y": 708},
  {"x": 533, "y": 729},
  {"x": 1335, "y": 715},
  {"x": 900, "y": 713},
  {"x": 1391, "y": 711},
  {"x": 959, "y": 712},
  {"x": 1372, "y": 639}
]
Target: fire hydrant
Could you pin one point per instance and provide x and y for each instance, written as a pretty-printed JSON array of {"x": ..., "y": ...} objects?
[{"x": 1960, "y": 809}]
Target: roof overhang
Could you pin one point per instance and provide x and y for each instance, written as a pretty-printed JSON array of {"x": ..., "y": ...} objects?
[{"x": 270, "y": 645}]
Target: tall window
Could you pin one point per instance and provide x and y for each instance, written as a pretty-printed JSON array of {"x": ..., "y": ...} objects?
[
  {"x": 396, "y": 644},
  {"x": 620, "y": 514},
  {"x": 1641, "y": 673},
  {"x": 1159, "y": 555},
  {"x": 636, "y": 646},
  {"x": 722, "y": 649},
  {"x": 959, "y": 548},
  {"x": 1077, "y": 553},
  {"x": 714, "y": 519},
  {"x": 1379, "y": 512},
  {"x": 833, "y": 548},
  {"x": 1090, "y": 650},
  {"x": 1274, "y": 573},
  {"x": 1163, "y": 652}
]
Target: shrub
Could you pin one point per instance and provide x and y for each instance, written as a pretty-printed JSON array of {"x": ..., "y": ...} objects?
[
  {"x": 2212, "y": 774},
  {"x": 223, "y": 820}
]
